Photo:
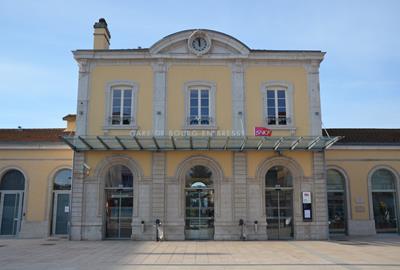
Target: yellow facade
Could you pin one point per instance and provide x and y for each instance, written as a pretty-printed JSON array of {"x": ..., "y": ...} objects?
[{"x": 160, "y": 76}]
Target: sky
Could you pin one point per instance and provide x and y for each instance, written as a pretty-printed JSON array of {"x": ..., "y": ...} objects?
[{"x": 359, "y": 78}]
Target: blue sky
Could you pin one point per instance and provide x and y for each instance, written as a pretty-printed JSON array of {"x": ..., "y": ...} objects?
[{"x": 360, "y": 76}]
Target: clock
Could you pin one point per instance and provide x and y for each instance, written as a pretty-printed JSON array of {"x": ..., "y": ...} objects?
[{"x": 199, "y": 43}]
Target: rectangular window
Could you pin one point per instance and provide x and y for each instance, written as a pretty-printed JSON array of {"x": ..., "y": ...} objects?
[
  {"x": 199, "y": 107},
  {"x": 276, "y": 107},
  {"x": 121, "y": 107}
]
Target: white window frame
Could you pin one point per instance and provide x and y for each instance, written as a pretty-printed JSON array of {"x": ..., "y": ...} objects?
[
  {"x": 275, "y": 86},
  {"x": 120, "y": 85},
  {"x": 200, "y": 85}
]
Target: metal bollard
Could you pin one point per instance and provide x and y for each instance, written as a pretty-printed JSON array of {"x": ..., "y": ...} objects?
[
  {"x": 256, "y": 226},
  {"x": 142, "y": 226},
  {"x": 242, "y": 234},
  {"x": 158, "y": 223}
]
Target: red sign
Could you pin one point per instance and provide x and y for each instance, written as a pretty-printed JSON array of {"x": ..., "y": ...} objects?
[{"x": 262, "y": 131}]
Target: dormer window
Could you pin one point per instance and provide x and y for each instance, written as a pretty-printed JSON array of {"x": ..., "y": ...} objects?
[{"x": 121, "y": 105}]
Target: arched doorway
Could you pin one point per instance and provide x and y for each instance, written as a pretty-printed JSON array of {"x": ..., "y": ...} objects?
[
  {"x": 199, "y": 205},
  {"x": 119, "y": 202},
  {"x": 12, "y": 186},
  {"x": 384, "y": 194},
  {"x": 279, "y": 203},
  {"x": 61, "y": 202},
  {"x": 337, "y": 210}
]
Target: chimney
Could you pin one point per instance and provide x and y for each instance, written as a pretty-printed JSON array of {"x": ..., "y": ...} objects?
[{"x": 101, "y": 35}]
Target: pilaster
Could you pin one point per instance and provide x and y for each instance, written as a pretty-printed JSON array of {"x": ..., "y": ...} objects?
[
  {"x": 83, "y": 98},
  {"x": 77, "y": 197},
  {"x": 159, "y": 97},
  {"x": 314, "y": 98},
  {"x": 238, "y": 99}
]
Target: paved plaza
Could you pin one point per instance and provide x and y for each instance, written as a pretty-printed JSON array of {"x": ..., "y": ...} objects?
[{"x": 381, "y": 252}]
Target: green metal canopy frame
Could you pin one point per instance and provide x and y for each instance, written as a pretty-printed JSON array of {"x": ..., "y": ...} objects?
[{"x": 214, "y": 143}]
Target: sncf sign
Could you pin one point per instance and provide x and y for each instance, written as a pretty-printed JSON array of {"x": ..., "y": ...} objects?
[{"x": 262, "y": 131}]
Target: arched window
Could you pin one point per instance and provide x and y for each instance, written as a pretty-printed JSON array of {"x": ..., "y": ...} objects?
[
  {"x": 63, "y": 180},
  {"x": 279, "y": 203},
  {"x": 119, "y": 202},
  {"x": 12, "y": 180},
  {"x": 278, "y": 176},
  {"x": 12, "y": 186},
  {"x": 383, "y": 185},
  {"x": 337, "y": 211},
  {"x": 199, "y": 177}
]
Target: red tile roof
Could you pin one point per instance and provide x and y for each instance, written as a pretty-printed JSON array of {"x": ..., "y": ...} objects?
[
  {"x": 32, "y": 135},
  {"x": 366, "y": 136}
]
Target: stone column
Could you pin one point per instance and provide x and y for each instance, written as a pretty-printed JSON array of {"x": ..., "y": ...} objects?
[
  {"x": 158, "y": 188},
  {"x": 77, "y": 197},
  {"x": 238, "y": 99},
  {"x": 159, "y": 97},
  {"x": 320, "y": 200},
  {"x": 83, "y": 98},
  {"x": 314, "y": 98}
]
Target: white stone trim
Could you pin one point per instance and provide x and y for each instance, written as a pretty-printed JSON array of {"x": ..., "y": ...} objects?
[
  {"x": 159, "y": 46},
  {"x": 108, "y": 104},
  {"x": 314, "y": 98},
  {"x": 212, "y": 86},
  {"x": 290, "y": 106},
  {"x": 238, "y": 98},
  {"x": 160, "y": 97}
]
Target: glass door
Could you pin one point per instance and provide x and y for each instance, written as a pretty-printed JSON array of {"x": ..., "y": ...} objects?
[
  {"x": 61, "y": 212},
  {"x": 10, "y": 207},
  {"x": 199, "y": 222},
  {"x": 119, "y": 206},
  {"x": 279, "y": 208}
]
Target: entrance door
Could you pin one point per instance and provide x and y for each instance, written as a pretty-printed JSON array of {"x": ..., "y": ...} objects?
[
  {"x": 61, "y": 212},
  {"x": 279, "y": 203},
  {"x": 10, "y": 207},
  {"x": 279, "y": 213},
  {"x": 199, "y": 223},
  {"x": 119, "y": 207}
]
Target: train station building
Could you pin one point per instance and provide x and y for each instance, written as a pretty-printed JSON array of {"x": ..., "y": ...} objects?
[{"x": 214, "y": 139}]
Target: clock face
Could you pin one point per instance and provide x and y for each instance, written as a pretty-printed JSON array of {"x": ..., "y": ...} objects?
[{"x": 199, "y": 44}]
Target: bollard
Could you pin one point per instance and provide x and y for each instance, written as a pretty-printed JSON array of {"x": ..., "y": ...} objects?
[
  {"x": 256, "y": 226},
  {"x": 157, "y": 226},
  {"x": 242, "y": 235},
  {"x": 142, "y": 226}
]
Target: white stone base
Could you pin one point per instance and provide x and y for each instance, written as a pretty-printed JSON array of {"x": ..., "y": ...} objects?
[
  {"x": 361, "y": 227},
  {"x": 33, "y": 229}
]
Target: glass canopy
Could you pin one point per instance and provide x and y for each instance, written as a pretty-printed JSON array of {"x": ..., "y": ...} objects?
[{"x": 171, "y": 143}]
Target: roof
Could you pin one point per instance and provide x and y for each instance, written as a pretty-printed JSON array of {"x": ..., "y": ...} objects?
[
  {"x": 34, "y": 135},
  {"x": 365, "y": 136}
]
